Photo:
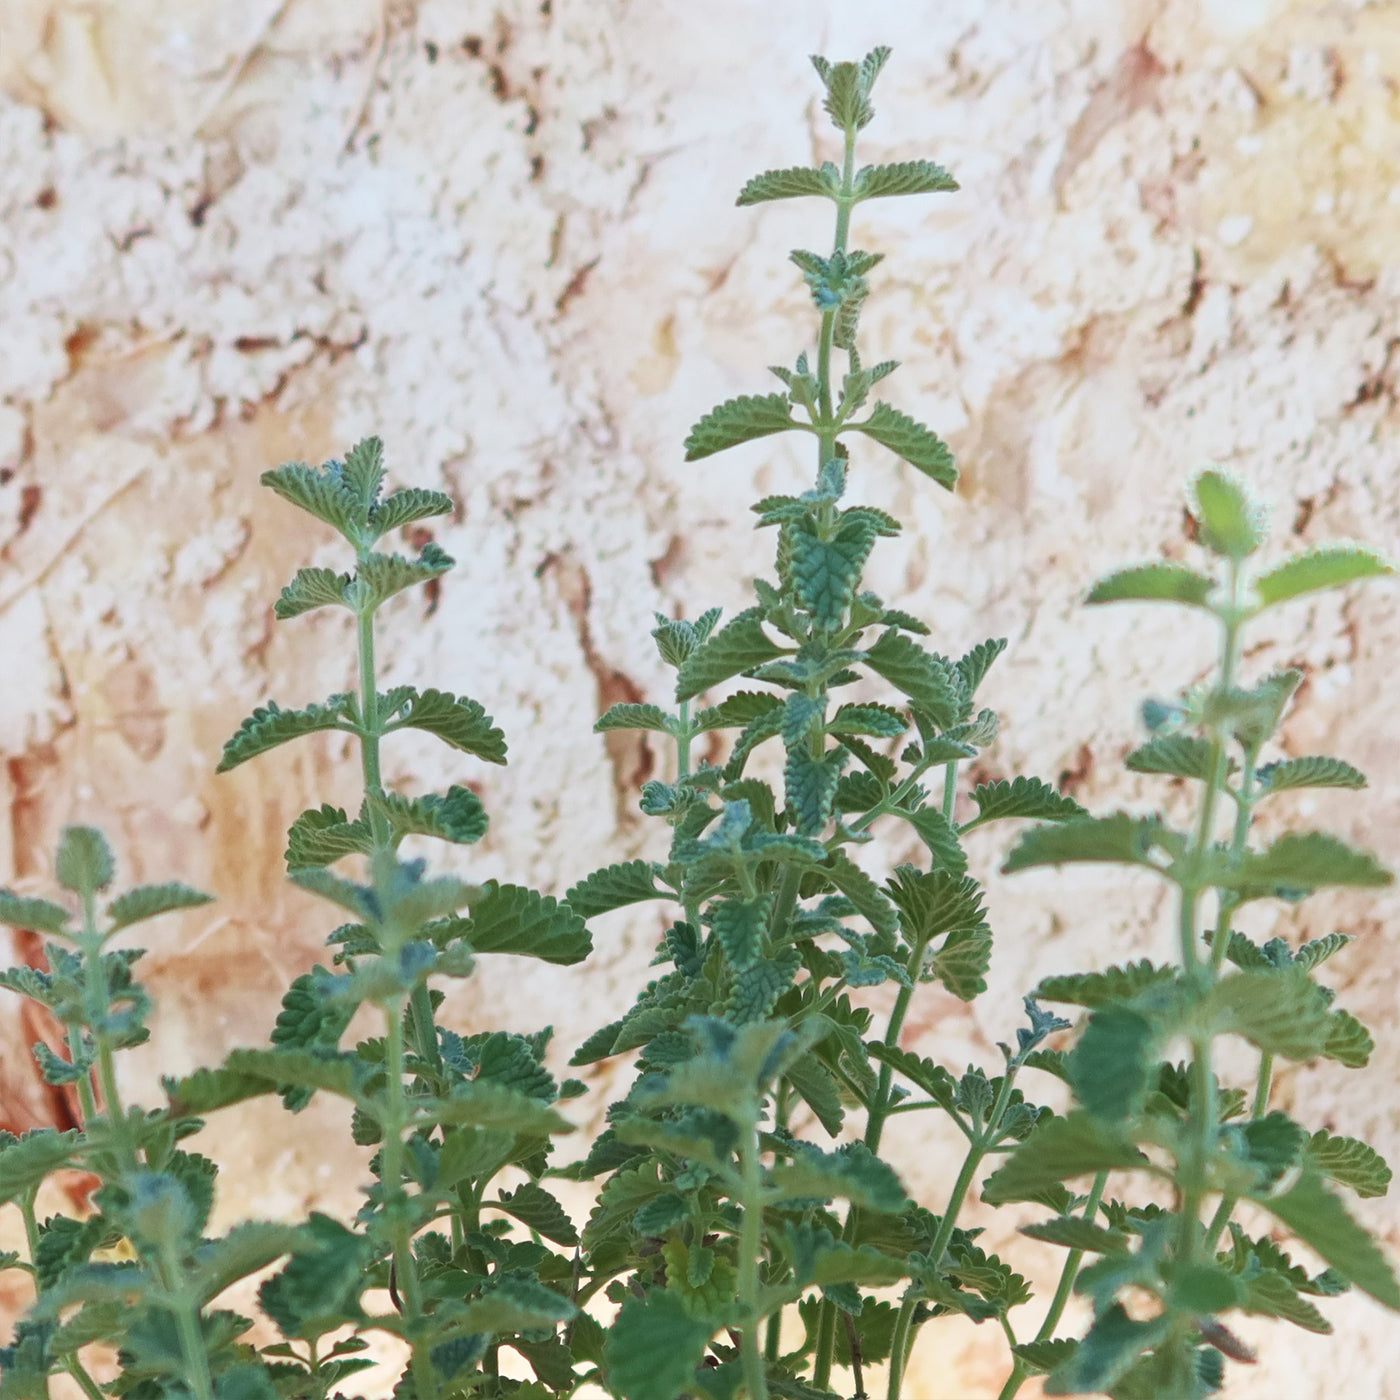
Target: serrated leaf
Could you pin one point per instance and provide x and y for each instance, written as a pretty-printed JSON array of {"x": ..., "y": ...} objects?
[
  {"x": 961, "y": 963},
  {"x": 933, "y": 1079},
  {"x": 1074, "y": 1232},
  {"x": 1349, "y": 1162},
  {"x": 743, "y": 419},
  {"x": 739, "y": 709},
  {"x": 514, "y": 919},
  {"x": 853, "y": 1173},
  {"x": 1057, "y": 1150},
  {"x": 1281, "y": 1012},
  {"x": 324, "y": 835},
  {"x": 1114, "y": 1343},
  {"x": 934, "y": 902},
  {"x": 1230, "y": 523},
  {"x": 404, "y": 507},
  {"x": 456, "y": 815},
  {"x": 925, "y": 679},
  {"x": 318, "y": 493},
  {"x": 1100, "y": 988},
  {"x": 629, "y": 716},
  {"x": 362, "y": 471},
  {"x": 939, "y": 835},
  {"x": 912, "y": 442},
  {"x": 1348, "y": 1041},
  {"x": 870, "y": 901},
  {"x": 1321, "y": 1221},
  {"x": 1038, "y": 1358},
  {"x": 739, "y": 926},
  {"x": 614, "y": 887},
  {"x": 1312, "y": 772},
  {"x": 36, "y": 915},
  {"x": 1330, "y": 566},
  {"x": 974, "y": 666},
  {"x": 818, "y": 1090},
  {"x": 270, "y": 725},
  {"x": 791, "y": 183},
  {"x": 826, "y": 572},
  {"x": 245, "y": 1250},
  {"x": 300, "y": 1069},
  {"x": 311, "y": 589},
  {"x": 148, "y": 901},
  {"x": 740, "y": 645},
  {"x": 1114, "y": 1062},
  {"x": 755, "y": 991},
  {"x": 1178, "y": 755},
  {"x": 84, "y": 862},
  {"x": 809, "y": 785},
  {"x": 905, "y": 177},
  {"x": 878, "y": 721},
  {"x": 456, "y": 720},
  {"x": 1117, "y": 839},
  {"x": 1022, "y": 797},
  {"x": 380, "y": 576},
  {"x": 26, "y": 1161},
  {"x": 654, "y": 1347},
  {"x": 1300, "y": 862},
  {"x": 539, "y": 1211},
  {"x": 1153, "y": 583},
  {"x": 320, "y": 1285},
  {"x": 1272, "y": 1295},
  {"x": 207, "y": 1090},
  {"x": 483, "y": 1103}
]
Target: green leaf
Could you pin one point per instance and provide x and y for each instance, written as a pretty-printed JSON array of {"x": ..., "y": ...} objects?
[
  {"x": 1112, "y": 1346},
  {"x": 317, "y": 492},
  {"x": 738, "y": 710},
  {"x": 311, "y": 589},
  {"x": 974, "y": 666},
  {"x": 513, "y": 919},
  {"x": 613, "y": 887},
  {"x": 818, "y": 1090},
  {"x": 934, "y": 902},
  {"x": 1059, "y": 1149},
  {"x": 270, "y": 725},
  {"x": 1153, "y": 583},
  {"x": 939, "y": 835},
  {"x": 456, "y": 815},
  {"x": 754, "y": 992},
  {"x": 1100, "y": 988},
  {"x": 1312, "y": 772},
  {"x": 299, "y": 1069},
  {"x": 1272, "y": 1295},
  {"x": 1300, "y": 862},
  {"x": 906, "y": 177},
  {"x": 878, "y": 721},
  {"x": 1280, "y": 1011},
  {"x": 629, "y": 716},
  {"x": 870, "y": 901},
  {"x": 932, "y": 1078},
  {"x": 1074, "y": 1232},
  {"x": 1349, "y": 1162},
  {"x": 457, "y": 721},
  {"x": 1204, "y": 1289},
  {"x": 810, "y": 787},
  {"x": 910, "y": 441},
  {"x": 1317, "y": 950},
  {"x": 27, "y": 1160},
  {"x": 1348, "y": 1041},
  {"x": 36, "y": 915},
  {"x": 207, "y": 1090},
  {"x": 961, "y": 963},
  {"x": 1231, "y": 524},
  {"x": 362, "y": 471},
  {"x": 1023, "y": 797},
  {"x": 244, "y": 1250},
  {"x": 537, "y": 1210},
  {"x": 791, "y": 183},
  {"x": 1038, "y": 1358},
  {"x": 322, "y": 836},
  {"x": 319, "y": 1287},
  {"x": 84, "y": 863},
  {"x": 1120, "y": 839},
  {"x": 404, "y": 507},
  {"x": 1114, "y": 1063},
  {"x": 740, "y": 925},
  {"x": 1177, "y": 755},
  {"x": 485, "y": 1104},
  {"x": 927, "y": 680},
  {"x": 826, "y": 572},
  {"x": 739, "y": 646},
  {"x": 1320, "y": 1220},
  {"x": 848, "y": 87},
  {"x": 148, "y": 901},
  {"x": 380, "y": 576},
  {"x": 654, "y": 1347},
  {"x": 1331, "y": 566},
  {"x": 739, "y": 420},
  {"x": 852, "y": 1172}
]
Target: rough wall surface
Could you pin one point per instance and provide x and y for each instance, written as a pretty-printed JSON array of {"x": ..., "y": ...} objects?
[{"x": 503, "y": 237}]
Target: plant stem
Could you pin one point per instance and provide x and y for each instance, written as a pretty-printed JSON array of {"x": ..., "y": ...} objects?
[
  {"x": 750, "y": 1247},
  {"x": 1063, "y": 1289},
  {"x": 187, "y": 1324}
]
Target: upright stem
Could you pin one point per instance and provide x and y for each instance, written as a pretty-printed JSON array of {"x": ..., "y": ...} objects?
[
  {"x": 187, "y": 1324},
  {"x": 750, "y": 1247}
]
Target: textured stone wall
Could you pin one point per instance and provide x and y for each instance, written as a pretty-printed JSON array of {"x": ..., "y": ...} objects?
[{"x": 504, "y": 238}]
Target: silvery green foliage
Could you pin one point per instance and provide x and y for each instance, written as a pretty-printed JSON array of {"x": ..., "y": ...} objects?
[{"x": 747, "y": 1238}]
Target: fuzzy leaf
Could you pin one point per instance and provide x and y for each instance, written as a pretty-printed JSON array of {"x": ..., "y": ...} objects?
[
  {"x": 961, "y": 963},
  {"x": 535, "y": 1208},
  {"x": 1108, "y": 1352},
  {"x": 628, "y": 716},
  {"x": 1300, "y": 862},
  {"x": 1119, "y": 839},
  {"x": 1153, "y": 583},
  {"x": 36, "y": 915},
  {"x": 207, "y": 1090},
  {"x": 147, "y": 901},
  {"x": 1074, "y": 1232},
  {"x": 319, "y": 1287},
  {"x": 911, "y": 441},
  {"x": 1057, "y": 1150},
  {"x": 310, "y": 589},
  {"x": 457, "y": 721},
  {"x": 739, "y": 420},
  {"x": 322, "y": 836},
  {"x": 380, "y": 576},
  {"x": 316, "y": 492},
  {"x": 940, "y": 836},
  {"x": 84, "y": 863},
  {"x": 925, "y": 679},
  {"x": 870, "y": 901},
  {"x": 906, "y": 177},
  {"x": 298, "y": 1069},
  {"x": 878, "y": 721},
  {"x": 485, "y": 1104},
  {"x": 1023, "y": 797},
  {"x": 654, "y": 1347},
  {"x": 853, "y": 1173},
  {"x": 933, "y": 1079},
  {"x": 810, "y": 787},
  {"x": 513, "y": 919},
  {"x": 1114, "y": 1063},
  {"x": 791, "y": 183},
  {"x": 1281, "y": 1011},
  {"x": 26, "y": 1161},
  {"x": 1039, "y": 1358},
  {"x": 934, "y": 902},
  {"x": 1230, "y": 523},
  {"x": 362, "y": 471},
  {"x": 1312, "y": 772},
  {"x": 974, "y": 666},
  {"x": 1100, "y": 988},
  {"x": 1348, "y": 1041},
  {"x": 738, "y": 646},
  {"x": 826, "y": 572},
  {"x": 613, "y": 887},
  {"x": 456, "y": 815},
  {"x": 738, "y": 710},
  {"x": 1349, "y": 1162},
  {"x": 1177, "y": 755},
  {"x": 404, "y": 507},
  {"x": 739, "y": 927},
  {"x": 1320, "y": 1220},
  {"x": 1272, "y": 1295},
  {"x": 1331, "y": 566},
  {"x": 245, "y": 1250},
  {"x": 270, "y": 725}
]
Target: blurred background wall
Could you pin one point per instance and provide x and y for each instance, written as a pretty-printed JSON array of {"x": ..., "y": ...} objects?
[{"x": 504, "y": 238}]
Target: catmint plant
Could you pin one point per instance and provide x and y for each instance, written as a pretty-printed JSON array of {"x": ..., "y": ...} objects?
[{"x": 1165, "y": 1276}]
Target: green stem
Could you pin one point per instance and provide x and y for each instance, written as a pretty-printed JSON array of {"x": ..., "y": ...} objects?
[
  {"x": 369, "y": 717},
  {"x": 31, "y": 1231},
  {"x": 880, "y": 1109},
  {"x": 86, "y": 1384},
  {"x": 86, "y": 1097},
  {"x": 899, "y": 1345},
  {"x": 1063, "y": 1289},
  {"x": 187, "y": 1324},
  {"x": 1262, "y": 1088},
  {"x": 950, "y": 790},
  {"x": 750, "y": 1247}
]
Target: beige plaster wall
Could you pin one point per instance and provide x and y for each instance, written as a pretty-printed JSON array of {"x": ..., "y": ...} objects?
[{"x": 504, "y": 238}]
